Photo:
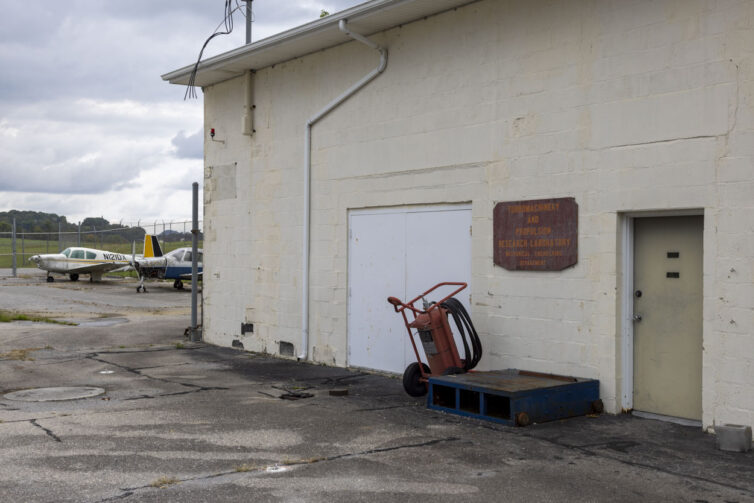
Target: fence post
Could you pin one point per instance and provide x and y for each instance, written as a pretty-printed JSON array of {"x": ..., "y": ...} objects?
[
  {"x": 79, "y": 238},
  {"x": 60, "y": 239},
  {"x": 23, "y": 246},
  {"x": 13, "y": 246}
]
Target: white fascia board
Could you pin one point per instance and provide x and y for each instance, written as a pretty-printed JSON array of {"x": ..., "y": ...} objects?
[{"x": 367, "y": 18}]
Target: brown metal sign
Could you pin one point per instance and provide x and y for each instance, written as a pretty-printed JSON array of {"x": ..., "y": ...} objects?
[{"x": 538, "y": 235}]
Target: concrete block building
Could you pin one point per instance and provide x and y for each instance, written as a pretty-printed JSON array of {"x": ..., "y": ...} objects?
[{"x": 364, "y": 155}]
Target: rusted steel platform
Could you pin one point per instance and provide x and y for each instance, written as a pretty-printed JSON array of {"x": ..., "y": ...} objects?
[{"x": 514, "y": 397}]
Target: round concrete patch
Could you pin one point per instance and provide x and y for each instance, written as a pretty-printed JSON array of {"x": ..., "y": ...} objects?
[{"x": 54, "y": 394}]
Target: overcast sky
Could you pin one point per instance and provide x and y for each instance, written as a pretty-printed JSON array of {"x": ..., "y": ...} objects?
[{"x": 87, "y": 126}]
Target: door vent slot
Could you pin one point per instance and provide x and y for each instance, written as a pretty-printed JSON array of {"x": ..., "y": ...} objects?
[
  {"x": 674, "y": 254},
  {"x": 673, "y": 275}
]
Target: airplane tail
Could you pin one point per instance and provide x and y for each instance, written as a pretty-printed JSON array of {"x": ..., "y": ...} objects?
[{"x": 151, "y": 246}]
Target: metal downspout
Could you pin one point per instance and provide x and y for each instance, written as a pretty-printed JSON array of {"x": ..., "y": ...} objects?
[{"x": 307, "y": 175}]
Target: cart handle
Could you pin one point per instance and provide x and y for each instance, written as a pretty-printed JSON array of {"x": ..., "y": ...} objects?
[{"x": 400, "y": 306}]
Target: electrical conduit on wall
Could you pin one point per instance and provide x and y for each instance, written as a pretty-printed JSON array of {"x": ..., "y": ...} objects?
[{"x": 307, "y": 174}]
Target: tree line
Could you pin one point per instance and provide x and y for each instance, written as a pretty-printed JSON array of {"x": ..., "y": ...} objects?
[{"x": 41, "y": 222}]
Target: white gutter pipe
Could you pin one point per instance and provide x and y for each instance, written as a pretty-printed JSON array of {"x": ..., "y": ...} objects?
[{"x": 308, "y": 170}]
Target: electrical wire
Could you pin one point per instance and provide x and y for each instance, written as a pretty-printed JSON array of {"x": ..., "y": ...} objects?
[{"x": 228, "y": 26}]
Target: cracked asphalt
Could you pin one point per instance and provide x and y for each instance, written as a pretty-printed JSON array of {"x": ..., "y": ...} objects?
[{"x": 190, "y": 422}]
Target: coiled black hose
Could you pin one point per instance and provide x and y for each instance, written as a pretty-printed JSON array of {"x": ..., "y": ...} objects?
[{"x": 463, "y": 320}]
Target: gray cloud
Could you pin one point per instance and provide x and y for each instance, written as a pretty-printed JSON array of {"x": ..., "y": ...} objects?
[
  {"x": 191, "y": 147},
  {"x": 85, "y": 120}
]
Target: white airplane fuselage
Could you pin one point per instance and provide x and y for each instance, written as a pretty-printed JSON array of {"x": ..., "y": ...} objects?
[{"x": 77, "y": 260}]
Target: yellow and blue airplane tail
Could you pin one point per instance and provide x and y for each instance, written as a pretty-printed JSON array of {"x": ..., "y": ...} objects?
[{"x": 151, "y": 246}]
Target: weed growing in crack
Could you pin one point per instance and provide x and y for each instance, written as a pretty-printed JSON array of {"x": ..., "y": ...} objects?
[
  {"x": 164, "y": 482},
  {"x": 246, "y": 468},
  {"x": 288, "y": 462}
]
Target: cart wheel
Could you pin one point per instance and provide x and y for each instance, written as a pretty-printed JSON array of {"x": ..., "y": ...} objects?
[
  {"x": 522, "y": 419},
  {"x": 411, "y": 379},
  {"x": 598, "y": 407},
  {"x": 74, "y": 277},
  {"x": 50, "y": 279}
]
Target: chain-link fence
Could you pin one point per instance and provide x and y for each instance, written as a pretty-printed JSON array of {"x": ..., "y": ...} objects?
[{"x": 16, "y": 246}]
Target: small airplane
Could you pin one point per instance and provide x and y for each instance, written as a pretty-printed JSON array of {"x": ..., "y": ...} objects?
[
  {"x": 175, "y": 265},
  {"x": 75, "y": 261}
]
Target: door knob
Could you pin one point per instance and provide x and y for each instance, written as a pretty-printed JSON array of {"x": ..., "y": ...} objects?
[{"x": 637, "y": 317}]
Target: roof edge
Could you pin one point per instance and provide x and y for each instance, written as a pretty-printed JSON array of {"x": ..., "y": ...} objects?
[{"x": 305, "y": 29}]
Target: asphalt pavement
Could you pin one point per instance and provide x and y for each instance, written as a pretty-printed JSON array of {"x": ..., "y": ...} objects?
[{"x": 190, "y": 422}]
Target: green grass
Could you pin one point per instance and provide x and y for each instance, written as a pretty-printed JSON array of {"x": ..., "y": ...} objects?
[
  {"x": 19, "y": 354},
  {"x": 8, "y": 316},
  {"x": 34, "y": 246}
]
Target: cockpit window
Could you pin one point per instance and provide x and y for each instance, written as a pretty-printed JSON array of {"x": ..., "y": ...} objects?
[
  {"x": 176, "y": 254},
  {"x": 199, "y": 257},
  {"x": 91, "y": 255},
  {"x": 77, "y": 254},
  {"x": 67, "y": 252},
  {"x": 187, "y": 257}
]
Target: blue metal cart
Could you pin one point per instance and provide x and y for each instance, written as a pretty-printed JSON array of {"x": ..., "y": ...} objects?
[{"x": 514, "y": 397}]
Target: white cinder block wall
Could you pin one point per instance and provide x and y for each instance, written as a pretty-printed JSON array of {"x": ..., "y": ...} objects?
[{"x": 626, "y": 106}]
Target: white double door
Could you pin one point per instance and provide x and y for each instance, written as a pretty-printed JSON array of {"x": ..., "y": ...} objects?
[{"x": 400, "y": 252}]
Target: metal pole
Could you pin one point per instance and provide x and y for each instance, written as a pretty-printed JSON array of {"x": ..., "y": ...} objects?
[
  {"x": 23, "y": 246},
  {"x": 195, "y": 334},
  {"x": 60, "y": 239},
  {"x": 79, "y": 243},
  {"x": 13, "y": 246},
  {"x": 248, "y": 21}
]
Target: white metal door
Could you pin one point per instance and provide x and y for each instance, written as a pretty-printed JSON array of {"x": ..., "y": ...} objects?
[
  {"x": 401, "y": 253},
  {"x": 668, "y": 316}
]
